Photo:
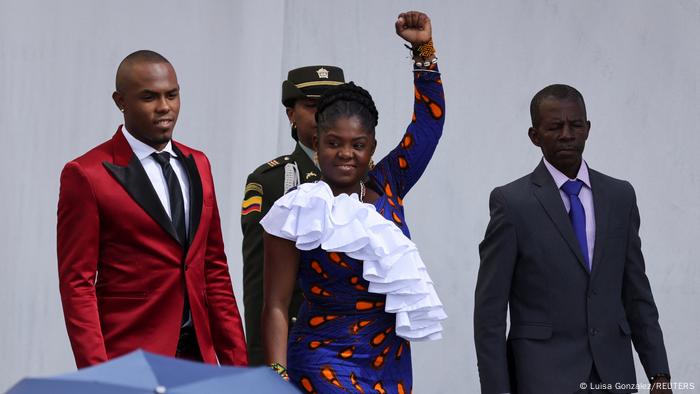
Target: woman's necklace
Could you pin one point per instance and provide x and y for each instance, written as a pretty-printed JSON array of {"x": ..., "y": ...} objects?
[{"x": 362, "y": 191}]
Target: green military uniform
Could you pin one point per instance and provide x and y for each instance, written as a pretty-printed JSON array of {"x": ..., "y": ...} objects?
[{"x": 264, "y": 186}]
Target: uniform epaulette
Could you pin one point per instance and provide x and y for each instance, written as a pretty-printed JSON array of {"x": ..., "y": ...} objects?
[{"x": 274, "y": 163}]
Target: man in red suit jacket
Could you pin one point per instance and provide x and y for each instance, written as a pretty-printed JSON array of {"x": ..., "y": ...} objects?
[{"x": 140, "y": 253}]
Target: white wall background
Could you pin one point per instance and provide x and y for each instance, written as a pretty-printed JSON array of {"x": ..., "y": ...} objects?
[{"x": 637, "y": 63}]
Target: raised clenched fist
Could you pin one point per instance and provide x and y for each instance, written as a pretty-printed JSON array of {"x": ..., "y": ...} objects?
[{"x": 414, "y": 27}]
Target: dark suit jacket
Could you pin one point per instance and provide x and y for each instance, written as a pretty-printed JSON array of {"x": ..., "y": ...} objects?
[
  {"x": 563, "y": 319},
  {"x": 264, "y": 186},
  {"x": 123, "y": 272}
]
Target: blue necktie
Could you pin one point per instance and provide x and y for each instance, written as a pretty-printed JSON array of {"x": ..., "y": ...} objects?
[{"x": 577, "y": 215}]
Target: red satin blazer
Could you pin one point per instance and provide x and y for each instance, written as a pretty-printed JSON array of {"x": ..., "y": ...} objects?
[{"x": 122, "y": 269}]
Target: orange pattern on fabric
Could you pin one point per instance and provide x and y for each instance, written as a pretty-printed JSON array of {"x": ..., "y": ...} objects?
[
  {"x": 319, "y": 291},
  {"x": 347, "y": 352},
  {"x": 399, "y": 351},
  {"x": 317, "y": 321},
  {"x": 400, "y": 200},
  {"x": 380, "y": 388},
  {"x": 407, "y": 141},
  {"x": 331, "y": 376},
  {"x": 434, "y": 108},
  {"x": 313, "y": 345},
  {"x": 380, "y": 337},
  {"x": 400, "y": 388},
  {"x": 316, "y": 266},
  {"x": 335, "y": 257},
  {"x": 396, "y": 218},
  {"x": 307, "y": 386},
  {"x": 356, "y": 384},
  {"x": 357, "y": 326},
  {"x": 355, "y": 281},
  {"x": 368, "y": 305},
  {"x": 381, "y": 358},
  {"x": 403, "y": 163},
  {"x": 388, "y": 191}
]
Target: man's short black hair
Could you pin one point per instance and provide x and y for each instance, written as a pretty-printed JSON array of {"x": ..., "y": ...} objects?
[
  {"x": 557, "y": 91},
  {"x": 140, "y": 56}
]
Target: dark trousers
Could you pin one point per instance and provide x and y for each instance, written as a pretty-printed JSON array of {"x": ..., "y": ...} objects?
[
  {"x": 593, "y": 385},
  {"x": 187, "y": 346}
]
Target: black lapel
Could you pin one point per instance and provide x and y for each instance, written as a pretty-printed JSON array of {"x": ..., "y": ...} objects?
[
  {"x": 548, "y": 195},
  {"x": 136, "y": 182},
  {"x": 601, "y": 208},
  {"x": 195, "y": 192},
  {"x": 308, "y": 172}
]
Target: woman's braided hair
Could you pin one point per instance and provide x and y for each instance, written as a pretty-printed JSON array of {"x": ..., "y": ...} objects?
[{"x": 346, "y": 100}]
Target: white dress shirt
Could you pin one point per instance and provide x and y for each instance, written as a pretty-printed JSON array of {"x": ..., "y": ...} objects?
[
  {"x": 155, "y": 173},
  {"x": 585, "y": 195}
]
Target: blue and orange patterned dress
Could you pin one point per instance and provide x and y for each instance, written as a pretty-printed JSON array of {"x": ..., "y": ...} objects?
[{"x": 344, "y": 341}]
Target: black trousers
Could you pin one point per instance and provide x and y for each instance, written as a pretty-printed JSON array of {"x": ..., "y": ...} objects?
[
  {"x": 593, "y": 385},
  {"x": 187, "y": 346}
]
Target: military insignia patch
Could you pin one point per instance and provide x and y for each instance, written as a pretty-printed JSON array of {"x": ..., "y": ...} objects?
[
  {"x": 253, "y": 204},
  {"x": 322, "y": 73},
  {"x": 310, "y": 174},
  {"x": 254, "y": 187}
]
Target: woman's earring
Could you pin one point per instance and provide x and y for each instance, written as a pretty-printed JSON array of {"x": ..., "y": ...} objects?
[
  {"x": 371, "y": 164},
  {"x": 121, "y": 109}
]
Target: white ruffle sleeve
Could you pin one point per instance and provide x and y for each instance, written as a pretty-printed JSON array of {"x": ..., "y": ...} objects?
[{"x": 311, "y": 217}]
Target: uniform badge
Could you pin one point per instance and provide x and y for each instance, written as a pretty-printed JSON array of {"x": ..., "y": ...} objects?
[
  {"x": 253, "y": 204},
  {"x": 253, "y": 187},
  {"x": 322, "y": 73},
  {"x": 310, "y": 174}
]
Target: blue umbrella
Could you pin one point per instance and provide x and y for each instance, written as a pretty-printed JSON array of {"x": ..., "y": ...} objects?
[{"x": 142, "y": 372}]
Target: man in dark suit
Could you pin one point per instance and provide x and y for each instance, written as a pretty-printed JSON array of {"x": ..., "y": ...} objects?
[
  {"x": 270, "y": 181},
  {"x": 140, "y": 253},
  {"x": 562, "y": 252}
]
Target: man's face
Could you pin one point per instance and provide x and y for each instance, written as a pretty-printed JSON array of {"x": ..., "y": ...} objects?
[
  {"x": 150, "y": 98},
  {"x": 303, "y": 115},
  {"x": 562, "y": 133}
]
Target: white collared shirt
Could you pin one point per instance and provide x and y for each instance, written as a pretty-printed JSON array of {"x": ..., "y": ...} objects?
[
  {"x": 585, "y": 195},
  {"x": 155, "y": 173}
]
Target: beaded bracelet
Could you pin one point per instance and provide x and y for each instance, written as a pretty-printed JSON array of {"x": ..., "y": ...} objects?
[
  {"x": 280, "y": 370},
  {"x": 424, "y": 51},
  {"x": 425, "y": 64}
]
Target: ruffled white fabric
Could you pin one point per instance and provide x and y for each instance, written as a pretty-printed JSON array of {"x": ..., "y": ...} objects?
[{"x": 311, "y": 217}]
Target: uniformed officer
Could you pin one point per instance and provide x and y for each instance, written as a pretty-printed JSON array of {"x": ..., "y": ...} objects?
[{"x": 300, "y": 93}]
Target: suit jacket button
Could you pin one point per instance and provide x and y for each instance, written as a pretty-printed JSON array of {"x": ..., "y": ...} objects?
[{"x": 294, "y": 320}]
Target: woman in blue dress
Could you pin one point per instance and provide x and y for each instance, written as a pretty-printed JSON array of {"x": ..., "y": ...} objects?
[{"x": 346, "y": 241}]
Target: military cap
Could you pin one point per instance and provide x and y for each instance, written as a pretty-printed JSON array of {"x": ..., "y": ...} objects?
[{"x": 310, "y": 82}]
